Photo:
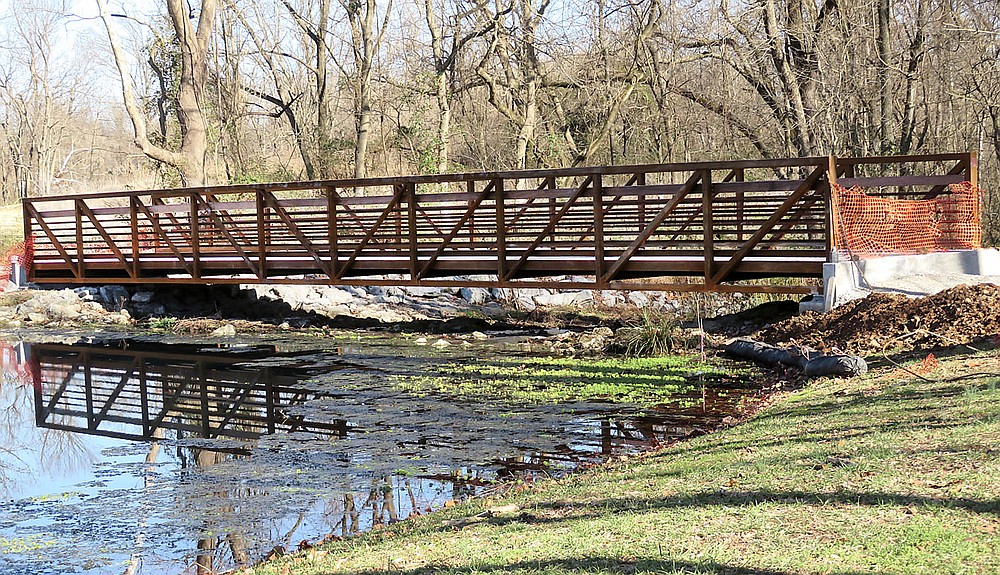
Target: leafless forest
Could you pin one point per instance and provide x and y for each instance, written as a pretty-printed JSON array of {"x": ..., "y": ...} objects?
[{"x": 106, "y": 94}]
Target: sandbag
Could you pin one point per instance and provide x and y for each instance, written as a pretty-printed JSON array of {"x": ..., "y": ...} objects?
[
  {"x": 812, "y": 363},
  {"x": 764, "y": 353},
  {"x": 838, "y": 365}
]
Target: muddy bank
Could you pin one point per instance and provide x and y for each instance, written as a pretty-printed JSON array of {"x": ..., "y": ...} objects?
[{"x": 894, "y": 322}]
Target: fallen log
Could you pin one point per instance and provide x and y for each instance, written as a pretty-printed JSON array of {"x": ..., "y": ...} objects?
[{"x": 811, "y": 362}]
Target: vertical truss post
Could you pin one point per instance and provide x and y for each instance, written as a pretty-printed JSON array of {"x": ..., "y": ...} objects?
[
  {"x": 26, "y": 223},
  {"x": 740, "y": 176},
  {"x": 147, "y": 428},
  {"x": 640, "y": 199},
  {"x": 550, "y": 183},
  {"x": 206, "y": 414},
  {"x": 411, "y": 224},
  {"x": 195, "y": 237},
  {"x": 470, "y": 187},
  {"x": 261, "y": 236},
  {"x": 78, "y": 213},
  {"x": 708, "y": 226},
  {"x": 88, "y": 391},
  {"x": 598, "y": 190},
  {"x": 501, "y": 247},
  {"x": 331, "y": 225},
  {"x": 399, "y": 215},
  {"x": 832, "y": 216},
  {"x": 272, "y": 397},
  {"x": 133, "y": 212}
]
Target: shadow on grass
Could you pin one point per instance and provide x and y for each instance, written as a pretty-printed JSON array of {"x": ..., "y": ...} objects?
[
  {"x": 903, "y": 408},
  {"x": 594, "y": 565},
  {"x": 614, "y": 506}
]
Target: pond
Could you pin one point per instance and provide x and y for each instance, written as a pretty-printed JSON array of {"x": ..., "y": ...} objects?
[{"x": 141, "y": 456}]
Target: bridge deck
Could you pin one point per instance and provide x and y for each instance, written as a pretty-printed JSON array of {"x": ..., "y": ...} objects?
[{"x": 632, "y": 227}]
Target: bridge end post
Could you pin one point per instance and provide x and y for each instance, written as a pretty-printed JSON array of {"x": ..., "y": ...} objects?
[
  {"x": 501, "y": 217},
  {"x": 26, "y": 224},
  {"x": 972, "y": 171},
  {"x": 597, "y": 186},
  {"x": 831, "y": 207}
]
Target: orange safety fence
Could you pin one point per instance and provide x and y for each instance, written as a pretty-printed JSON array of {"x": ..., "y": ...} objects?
[
  {"x": 20, "y": 253},
  {"x": 869, "y": 226},
  {"x": 18, "y": 367}
]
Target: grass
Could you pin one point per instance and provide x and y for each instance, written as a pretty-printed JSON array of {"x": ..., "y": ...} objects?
[
  {"x": 11, "y": 229},
  {"x": 642, "y": 381},
  {"x": 162, "y": 323},
  {"x": 656, "y": 334},
  {"x": 887, "y": 473}
]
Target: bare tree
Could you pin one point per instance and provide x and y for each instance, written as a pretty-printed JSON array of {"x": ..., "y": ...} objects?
[
  {"x": 190, "y": 157},
  {"x": 36, "y": 95},
  {"x": 366, "y": 40}
]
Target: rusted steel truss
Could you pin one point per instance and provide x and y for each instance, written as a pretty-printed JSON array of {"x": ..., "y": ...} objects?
[
  {"x": 705, "y": 226},
  {"x": 130, "y": 394}
]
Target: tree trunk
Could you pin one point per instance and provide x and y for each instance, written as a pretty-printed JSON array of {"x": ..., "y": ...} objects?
[
  {"x": 366, "y": 40},
  {"x": 189, "y": 160},
  {"x": 885, "y": 94},
  {"x": 444, "y": 124}
]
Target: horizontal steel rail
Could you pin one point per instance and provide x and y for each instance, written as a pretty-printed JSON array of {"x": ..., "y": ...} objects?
[
  {"x": 131, "y": 394},
  {"x": 684, "y": 227}
]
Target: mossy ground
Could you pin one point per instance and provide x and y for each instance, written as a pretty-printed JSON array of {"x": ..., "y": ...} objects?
[
  {"x": 889, "y": 473},
  {"x": 641, "y": 381}
]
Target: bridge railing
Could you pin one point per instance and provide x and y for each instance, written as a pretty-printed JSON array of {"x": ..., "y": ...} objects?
[
  {"x": 132, "y": 393},
  {"x": 603, "y": 227}
]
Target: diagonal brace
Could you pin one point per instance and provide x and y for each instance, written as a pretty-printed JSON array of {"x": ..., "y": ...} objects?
[
  {"x": 457, "y": 228},
  {"x": 396, "y": 199},
  {"x": 652, "y": 226},
  {"x": 75, "y": 268},
  {"x": 292, "y": 227},
  {"x": 220, "y": 225},
  {"x": 553, "y": 221},
  {"x": 808, "y": 184},
  {"x": 83, "y": 207},
  {"x": 163, "y": 235}
]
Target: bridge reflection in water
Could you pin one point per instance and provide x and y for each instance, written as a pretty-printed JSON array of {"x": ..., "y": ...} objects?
[
  {"x": 266, "y": 448},
  {"x": 136, "y": 391},
  {"x": 130, "y": 392}
]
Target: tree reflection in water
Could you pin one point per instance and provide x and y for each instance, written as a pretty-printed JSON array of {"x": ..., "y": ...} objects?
[{"x": 241, "y": 450}]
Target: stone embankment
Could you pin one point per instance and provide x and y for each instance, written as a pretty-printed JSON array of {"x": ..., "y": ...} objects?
[
  {"x": 401, "y": 304},
  {"x": 299, "y": 305},
  {"x": 39, "y": 308}
]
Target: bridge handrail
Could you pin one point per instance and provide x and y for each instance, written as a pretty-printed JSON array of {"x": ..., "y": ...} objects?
[{"x": 611, "y": 221}]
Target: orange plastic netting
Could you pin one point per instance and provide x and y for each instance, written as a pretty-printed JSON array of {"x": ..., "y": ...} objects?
[
  {"x": 20, "y": 253},
  {"x": 868, "y": 226}
]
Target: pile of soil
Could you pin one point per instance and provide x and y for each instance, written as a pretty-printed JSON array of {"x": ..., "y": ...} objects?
[{"x": 895, "y": 322}]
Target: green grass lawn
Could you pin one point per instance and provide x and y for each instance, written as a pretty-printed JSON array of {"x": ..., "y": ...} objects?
[{"x": 883, "y": 474}]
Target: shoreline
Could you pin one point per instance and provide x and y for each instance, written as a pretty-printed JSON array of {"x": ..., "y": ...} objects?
[{"x": 800, "y": 487}]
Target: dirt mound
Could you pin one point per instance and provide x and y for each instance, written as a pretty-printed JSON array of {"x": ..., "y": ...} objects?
[{"x": 896, "y": 322}]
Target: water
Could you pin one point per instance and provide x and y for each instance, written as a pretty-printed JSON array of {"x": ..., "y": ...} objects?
[{"x": 144, "y": 457}]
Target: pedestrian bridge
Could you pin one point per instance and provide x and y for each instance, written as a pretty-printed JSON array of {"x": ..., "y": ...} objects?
[{"x": 755, "y": 225}]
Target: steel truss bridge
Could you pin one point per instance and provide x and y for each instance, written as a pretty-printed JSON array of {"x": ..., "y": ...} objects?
[{"x": 703, "y": 226}]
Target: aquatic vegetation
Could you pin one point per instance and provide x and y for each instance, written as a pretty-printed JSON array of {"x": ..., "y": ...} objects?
[
  {"x": 164, "y": 323},
  {"x": 646, "y": 381},
  {"x": 24, "y": 544}
]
